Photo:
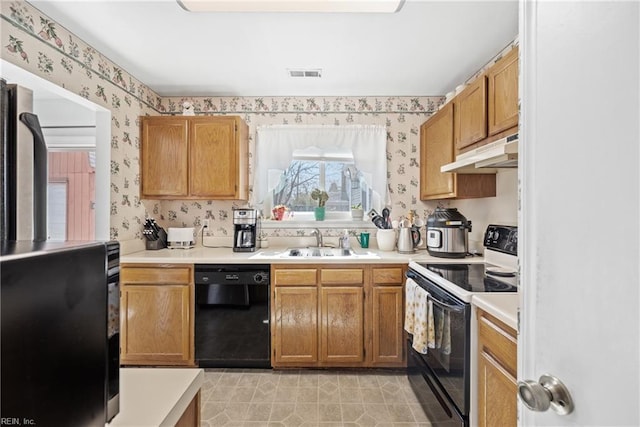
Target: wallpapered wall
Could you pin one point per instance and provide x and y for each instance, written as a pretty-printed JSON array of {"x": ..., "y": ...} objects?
[
  {"x": 401, "y": 116},
  {"x": 33, "y": 42},
  {"x": 39, "y": 45}
]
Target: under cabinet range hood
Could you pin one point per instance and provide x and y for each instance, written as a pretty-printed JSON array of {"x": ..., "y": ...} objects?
[{"x": 502, "y": 153}]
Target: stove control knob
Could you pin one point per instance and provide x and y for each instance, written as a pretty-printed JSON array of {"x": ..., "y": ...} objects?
[{"x": 259, "y": 278}]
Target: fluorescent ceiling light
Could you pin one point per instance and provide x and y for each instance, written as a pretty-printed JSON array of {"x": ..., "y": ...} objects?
[{"x": 363, "y": 6}]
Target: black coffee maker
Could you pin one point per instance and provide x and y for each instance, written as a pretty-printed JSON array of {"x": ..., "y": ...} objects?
[{"x": 245, "y": 224}]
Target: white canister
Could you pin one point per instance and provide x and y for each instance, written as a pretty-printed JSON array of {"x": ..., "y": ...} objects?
[{"x": 386, "y": 239}]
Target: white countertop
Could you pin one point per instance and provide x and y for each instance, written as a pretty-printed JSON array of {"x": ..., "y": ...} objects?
[
  {"x": 155, "y": 396},
  {"x": 201, "y": 255},
  {"x": 503, "y": 306}
]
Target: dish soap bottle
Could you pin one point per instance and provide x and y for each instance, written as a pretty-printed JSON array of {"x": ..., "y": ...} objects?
[{"x": 344, "y": 241}]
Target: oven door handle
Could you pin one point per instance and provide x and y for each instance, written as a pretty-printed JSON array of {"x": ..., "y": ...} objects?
[{"x": 456, "y": 308}]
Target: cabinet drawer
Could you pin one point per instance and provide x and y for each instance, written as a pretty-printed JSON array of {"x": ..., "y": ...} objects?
[
  {"x": 388, "y": 276},
  {"x": 498, "y": 340},
  {"x": 295, "y": 277},
  {"x": 161, "y": 274},
  {"x": 342, "y": 276}
]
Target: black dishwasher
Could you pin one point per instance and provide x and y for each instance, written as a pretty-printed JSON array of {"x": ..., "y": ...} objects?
[{"x": 232, "y": 316}]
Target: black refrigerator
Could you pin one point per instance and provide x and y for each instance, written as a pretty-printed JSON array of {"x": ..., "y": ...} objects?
[{"x": 59, "y": 301}]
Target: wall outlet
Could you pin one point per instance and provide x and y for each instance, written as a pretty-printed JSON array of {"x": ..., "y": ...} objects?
[{"x": 205, "y": 223}]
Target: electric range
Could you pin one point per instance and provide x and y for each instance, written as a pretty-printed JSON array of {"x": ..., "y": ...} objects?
[
  {"x": 498, "y": 272},
  {"x": 441, "y": 376}
]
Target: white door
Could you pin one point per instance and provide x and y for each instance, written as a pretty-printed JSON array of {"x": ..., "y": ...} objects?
[{"x": 579, "y": 214}]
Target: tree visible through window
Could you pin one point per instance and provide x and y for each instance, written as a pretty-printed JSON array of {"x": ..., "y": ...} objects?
[{"x": 302, "y": 176}]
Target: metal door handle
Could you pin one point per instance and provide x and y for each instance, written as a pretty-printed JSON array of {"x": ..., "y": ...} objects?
[
  {"x": 450, "y": 307},
  {"x": 548, "y": 392}
]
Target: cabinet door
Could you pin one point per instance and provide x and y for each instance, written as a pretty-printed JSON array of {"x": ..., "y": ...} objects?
[
  {"x": 503, "y": 93},
  {"x": 496, "y": 395},
  {"x": 342, "y": 325},
  {"x": 388, "y": 318},
  {"x": 497, "y": 371},
  {"x": 295, "y": 326},
  {"x": 163, "y": 157},
  {"x": 213, "y": 157},
  {"x": 436, "y": 150},
  {"x": 471, "y": 114},
  {"x": 156, "y": 325}
]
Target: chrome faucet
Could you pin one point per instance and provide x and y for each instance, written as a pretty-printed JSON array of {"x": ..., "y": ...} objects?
[{"x": 316, "y": 232}]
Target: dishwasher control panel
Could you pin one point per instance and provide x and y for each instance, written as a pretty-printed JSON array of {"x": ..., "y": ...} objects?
[{"x": 216, "y": 274}]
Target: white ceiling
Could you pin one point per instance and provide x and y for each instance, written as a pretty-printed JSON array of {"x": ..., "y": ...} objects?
[{"x": 427, "y": 48}]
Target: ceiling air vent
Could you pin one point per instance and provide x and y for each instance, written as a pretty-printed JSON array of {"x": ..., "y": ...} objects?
[{"x": 299, "y": 72}]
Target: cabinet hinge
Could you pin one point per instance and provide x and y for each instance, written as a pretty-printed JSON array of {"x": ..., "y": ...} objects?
[{"x": 235, "y": 127}]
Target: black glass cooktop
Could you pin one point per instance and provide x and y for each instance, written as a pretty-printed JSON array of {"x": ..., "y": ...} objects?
[{"x": 476, "y": 277}]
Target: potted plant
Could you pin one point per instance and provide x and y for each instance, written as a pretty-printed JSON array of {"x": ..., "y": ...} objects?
[
  {"x": 356, "y": 212},
  {"x": 321, "y": 196}
]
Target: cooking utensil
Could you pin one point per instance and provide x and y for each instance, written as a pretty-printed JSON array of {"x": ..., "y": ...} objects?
[
  {"x": 385, "y": 216},
  {"x": 379, "y": 222}
]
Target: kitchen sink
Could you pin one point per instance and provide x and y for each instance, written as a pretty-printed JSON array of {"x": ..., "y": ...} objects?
[
  {"x": 317, "y": 252},
  {"x": 314, "y": 252}
]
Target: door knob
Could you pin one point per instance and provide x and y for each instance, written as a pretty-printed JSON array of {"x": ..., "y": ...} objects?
[{"x": 548, "y": 392}]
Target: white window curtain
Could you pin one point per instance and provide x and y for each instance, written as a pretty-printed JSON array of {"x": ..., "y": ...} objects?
[{"x": 275, "y": 145}]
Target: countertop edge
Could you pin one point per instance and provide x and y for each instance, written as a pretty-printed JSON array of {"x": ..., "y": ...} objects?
[
  {"x": 181, "y": 405},
  {"x": 151, "y": 399},
  {"x": 503, "y": 306}
]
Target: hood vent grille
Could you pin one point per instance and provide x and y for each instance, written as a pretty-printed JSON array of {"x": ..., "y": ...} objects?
[{"x": 300, "y": 72}]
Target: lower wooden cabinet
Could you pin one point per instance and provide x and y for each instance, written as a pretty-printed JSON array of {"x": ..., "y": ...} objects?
[
  {"x": 342, "y": 325},
  {"x": 156, "y": 315},
  {"x": 332, "y": 315},
  {"x": 294, "y": 325},
  {"x": 497, "y": 370},
  {"x": 387, "y": 306}
]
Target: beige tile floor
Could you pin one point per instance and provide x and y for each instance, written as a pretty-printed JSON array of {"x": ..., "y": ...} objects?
[{"x": 236, "y": 397}]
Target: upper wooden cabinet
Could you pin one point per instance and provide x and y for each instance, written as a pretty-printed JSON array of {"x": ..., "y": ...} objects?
[
  {"x": 503, "y": 93},
  {"x": 487, "y": 109},
  {"x": 436, "y": 150},
  {"x": 470, "y": 118},
  {"x": 194, "y": 158},
  {"x": 164, "y": 162}
]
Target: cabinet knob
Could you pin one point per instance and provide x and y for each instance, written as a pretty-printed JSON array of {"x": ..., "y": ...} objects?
[{"x": 548, "y": 392}]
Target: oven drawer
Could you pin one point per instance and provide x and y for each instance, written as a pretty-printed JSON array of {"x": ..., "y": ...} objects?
[{"x": 498, "y": 340}]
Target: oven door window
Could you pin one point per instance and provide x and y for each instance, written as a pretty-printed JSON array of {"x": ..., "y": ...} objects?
[{"x": 449, "y": 360}]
